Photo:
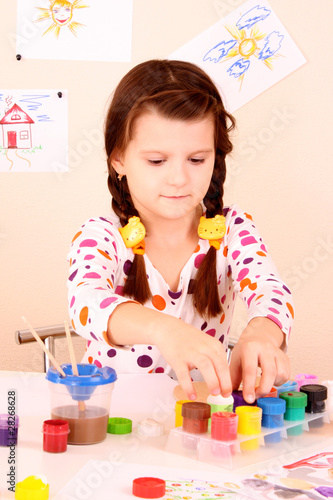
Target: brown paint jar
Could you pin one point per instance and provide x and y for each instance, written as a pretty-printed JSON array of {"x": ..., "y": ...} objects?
[{"x": 195, "y": 417}]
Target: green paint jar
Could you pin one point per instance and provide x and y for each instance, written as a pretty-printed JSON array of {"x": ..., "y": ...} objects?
[{"x": 295, "y": 405}]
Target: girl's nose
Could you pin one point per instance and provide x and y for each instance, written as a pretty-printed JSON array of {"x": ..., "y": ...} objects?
[{"x": 177, "y": 174}]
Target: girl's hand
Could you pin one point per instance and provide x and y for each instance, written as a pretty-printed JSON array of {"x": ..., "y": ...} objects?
[
  {"x": 185, "y": 348},
  {"x": 259, "y": 346}
]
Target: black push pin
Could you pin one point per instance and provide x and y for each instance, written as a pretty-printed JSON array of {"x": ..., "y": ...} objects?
[
  {"x": 60, "y": 95},
  {"x": 18, "y": 57}
]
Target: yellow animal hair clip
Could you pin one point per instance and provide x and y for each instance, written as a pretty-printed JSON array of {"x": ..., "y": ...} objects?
[
  {"x": 212, "y": 229},
  {"x": 133, "y": 235}
]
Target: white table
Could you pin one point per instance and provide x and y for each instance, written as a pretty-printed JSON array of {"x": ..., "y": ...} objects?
[{"x": 135, "y": 397}]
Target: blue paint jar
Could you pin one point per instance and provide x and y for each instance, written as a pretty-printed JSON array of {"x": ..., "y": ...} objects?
[{"x": 273, "y": 410}]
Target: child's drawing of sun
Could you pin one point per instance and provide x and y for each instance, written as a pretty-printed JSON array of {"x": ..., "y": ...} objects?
[{"x": 61, "y": 14}]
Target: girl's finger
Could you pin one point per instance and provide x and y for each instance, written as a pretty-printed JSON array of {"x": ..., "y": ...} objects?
[{"x": 184, "y": 379}]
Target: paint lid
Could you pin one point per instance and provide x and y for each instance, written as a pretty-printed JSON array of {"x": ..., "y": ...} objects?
[
  {"x": 149, "y": 427},
  {"x": 290, "y": 386},
  {"x": 196, "y": 410},
  {"x": 239, "y": 400},
  {"x": 55, "y": 426},
  {"x": 273, "y": 393},
  {"x": 119, "y": 425},
  {"x": 294, "y": 399},
  {"x": 89, "y": 375},
  {"x": 220, "y": 400},
  {"x": 225, "y": 416},
  {"x": 315, "y": 392},
  {"x": 7, "y": 420},
  {"x": 148, "y": 487},
  {"x": 32, "y": 488},
  {"x": 272, "y": 406}
]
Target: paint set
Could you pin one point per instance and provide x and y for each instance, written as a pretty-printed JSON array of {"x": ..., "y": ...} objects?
[{"x": 239, "y": 434}]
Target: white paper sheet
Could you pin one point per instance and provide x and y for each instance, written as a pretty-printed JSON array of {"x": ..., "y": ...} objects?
[
  {"x": 245, "y": 53},
  {"x": 33, "y": 131},
  {"x": 89, "y": 30}
]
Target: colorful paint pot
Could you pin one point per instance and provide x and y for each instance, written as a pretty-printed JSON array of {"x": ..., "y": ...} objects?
[
  {"x": 224, "y": 426},
  {"x": 55, "y": 435},
  {"x": 240, "y": 401},
  {"x": 178, "y": 411},
  {"x": 273, "y": 410},
  {"x": 305, "y": 378},
  {"x": 317, "y": 395},
  {"x": 249, "y": 423},
  {"x": 195, "y": 417},
  {"x": 295, "y": 405},
  {"x": 32, "y": 488},
  {"x": 8, "y": 429}
]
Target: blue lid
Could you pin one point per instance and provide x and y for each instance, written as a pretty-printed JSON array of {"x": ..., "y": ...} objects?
[
  {"x": 272, "y": 406},
  {"x": 291, "y": 385},
  {"x": 89, "y": 375},
  {"x": 83, "y": 386}
]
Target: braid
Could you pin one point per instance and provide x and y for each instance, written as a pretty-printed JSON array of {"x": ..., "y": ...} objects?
[{"x": 136, "y": 284}]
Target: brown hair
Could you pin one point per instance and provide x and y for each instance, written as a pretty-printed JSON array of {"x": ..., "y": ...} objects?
[{"x": 182, "y": 91}]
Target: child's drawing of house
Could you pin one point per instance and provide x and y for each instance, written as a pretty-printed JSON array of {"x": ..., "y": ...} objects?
[{"x": 16, "y": 129}]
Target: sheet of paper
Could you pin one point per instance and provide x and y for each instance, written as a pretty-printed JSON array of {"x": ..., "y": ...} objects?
[
  {"x": 33, "y": 130},
  {"x": 101, "y": 480},
  {"x": 245, "y": 53},
  {"x": 86, "y": 30}
]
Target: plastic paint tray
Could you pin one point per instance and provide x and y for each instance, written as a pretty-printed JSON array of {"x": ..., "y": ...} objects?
[{"x": 247, "y": 450}]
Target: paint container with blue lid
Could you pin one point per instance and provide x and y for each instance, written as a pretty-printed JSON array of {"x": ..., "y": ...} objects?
[
  {"x": 289, "y": 386},
  {"x": 273, "y": 410}
]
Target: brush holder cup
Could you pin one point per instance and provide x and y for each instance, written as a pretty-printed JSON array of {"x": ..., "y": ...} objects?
[{"x": 83, "y": 401}]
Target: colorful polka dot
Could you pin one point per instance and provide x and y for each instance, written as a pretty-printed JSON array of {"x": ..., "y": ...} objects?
[
  {"x": 88, "y": 243},
  {"x": 84, "y": 316},
  {"x": 144, "y": 361},
  {"x": 158, "y": 302},
  {"x": 111, "y": 353},
  {"x": 106, "y": 302},
  {"x": 198, "y": 260},
  {"x": 104, "y": 254},
  {"x": 92, "y": 276}
]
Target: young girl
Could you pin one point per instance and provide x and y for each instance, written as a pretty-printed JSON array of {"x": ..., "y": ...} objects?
[{"x": 153, "y": 285}]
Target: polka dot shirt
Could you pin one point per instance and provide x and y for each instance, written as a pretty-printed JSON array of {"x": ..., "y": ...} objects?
[{"x": 100, "y": 262}]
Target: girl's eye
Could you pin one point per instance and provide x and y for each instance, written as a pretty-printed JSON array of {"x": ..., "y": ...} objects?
[
  {"x": 156, "y": 162},
  {"x": 197, "y": 161}
]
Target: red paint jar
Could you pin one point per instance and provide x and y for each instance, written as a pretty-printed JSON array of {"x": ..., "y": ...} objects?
[
  {"x": 55, "y": 435},
  {"x": 195, "y": 417},
  {"x": 224, "y": 426}
]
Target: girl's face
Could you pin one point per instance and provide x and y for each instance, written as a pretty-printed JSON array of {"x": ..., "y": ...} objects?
[
  {"x": 62, "y": 13},
  {"x": 168, "y": 164}
]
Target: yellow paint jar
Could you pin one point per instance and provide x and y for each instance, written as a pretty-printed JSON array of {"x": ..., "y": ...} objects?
[
  {"x": 249, "y": 423},
  {"x": 178, "y": 412}
]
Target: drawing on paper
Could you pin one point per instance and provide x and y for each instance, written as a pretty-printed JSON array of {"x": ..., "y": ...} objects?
[
  {"x": 195, "y": 489},
  {"x": 61, "y": 13},
  {"x": 16, "y": 132},
  {"x": 245, "y": 53},
  {"x": 247, "y": 42},
  {"x": 33, "y": 131}
]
